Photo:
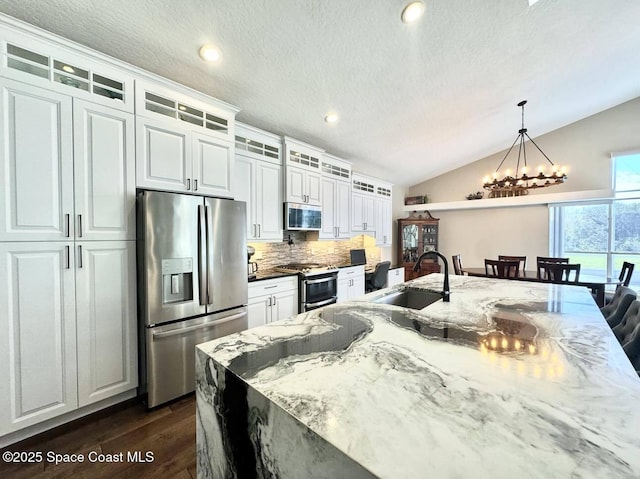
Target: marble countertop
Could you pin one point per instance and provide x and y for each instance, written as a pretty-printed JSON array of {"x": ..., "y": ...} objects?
[{"x": 508, "y": 379}]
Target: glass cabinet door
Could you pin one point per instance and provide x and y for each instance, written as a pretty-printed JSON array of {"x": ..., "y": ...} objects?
[
  {"x": 410, "y": 243},
  {"x": 429, "y": 238}
]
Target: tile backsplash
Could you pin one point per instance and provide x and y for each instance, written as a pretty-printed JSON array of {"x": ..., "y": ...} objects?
[{"x": 307, "y": 250}]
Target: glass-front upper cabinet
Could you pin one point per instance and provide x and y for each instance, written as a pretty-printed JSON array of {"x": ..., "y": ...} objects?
[{"x": 416, "y": 236}]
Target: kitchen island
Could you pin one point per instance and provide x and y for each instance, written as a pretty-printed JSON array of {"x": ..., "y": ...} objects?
[{"x": 507, "y": 379}]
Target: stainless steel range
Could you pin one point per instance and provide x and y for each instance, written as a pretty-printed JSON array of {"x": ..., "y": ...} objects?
[{"x": 318, "y": 284}]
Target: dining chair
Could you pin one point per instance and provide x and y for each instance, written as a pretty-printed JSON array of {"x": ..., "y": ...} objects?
[
  {"x": 501, "y": 269},
  {"x": 628, "y": 333},
  {"x": 457, "y": 264},
  {"x": 561, "y": 272},
  {"x": 542, "y": 260},
  {"x": 521, "y": 259},
  {"x": 623, "y": 280},
  {"x": 615, "y": 310},
  {"x": 378, "y": 278}
]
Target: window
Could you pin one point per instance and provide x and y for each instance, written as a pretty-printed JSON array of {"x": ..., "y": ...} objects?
[{"x": 602, "y": 235}]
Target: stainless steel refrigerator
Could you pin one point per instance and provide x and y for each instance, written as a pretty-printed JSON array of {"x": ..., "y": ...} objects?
[{"x": 192, "y": 282}]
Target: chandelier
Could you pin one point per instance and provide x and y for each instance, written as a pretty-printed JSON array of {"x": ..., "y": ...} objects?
[{"x": 513, "y": 185}]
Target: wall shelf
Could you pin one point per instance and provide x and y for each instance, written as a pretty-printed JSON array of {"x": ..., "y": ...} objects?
[{"x": 529, "y": 200}]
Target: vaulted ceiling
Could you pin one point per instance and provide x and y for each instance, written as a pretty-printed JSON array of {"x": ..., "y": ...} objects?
[{"x": 414, "y": 101}]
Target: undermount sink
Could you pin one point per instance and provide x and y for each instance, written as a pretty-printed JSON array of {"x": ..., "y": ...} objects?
[{"x": 410, "y": 298}]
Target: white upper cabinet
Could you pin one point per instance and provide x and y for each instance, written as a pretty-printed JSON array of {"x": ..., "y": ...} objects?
[
  {"x": 65, "y": 68},
  {"x": 336, "y": 198},
  {"x": 163, "y": 155},
  {"x": 104, "y": 173},
  {"x": 184, "y": 141},
  {"x": 36, "y": 163},
  {"x": 371, "y": 208},
  {"x": 384, "y": 216},
  {"x": 258, "y": 182},
  {"x": 67, "y": 167},
  {"x": 303, "y": 177}
]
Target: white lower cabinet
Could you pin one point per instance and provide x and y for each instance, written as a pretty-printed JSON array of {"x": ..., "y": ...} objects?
[
  {"x": 69, "y": 317},
  {"x": 106, "y": 319},
  {"x": 350, "y": 283},
  {"x": 272, "y": 299},
  {"x": 395, "y": 276}
]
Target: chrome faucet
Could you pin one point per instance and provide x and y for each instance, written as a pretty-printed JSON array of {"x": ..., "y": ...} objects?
[{"x": 445, "y": 288}]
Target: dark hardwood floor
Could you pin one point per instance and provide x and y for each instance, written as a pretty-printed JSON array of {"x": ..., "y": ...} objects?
[{"x": 169, "y": 433}]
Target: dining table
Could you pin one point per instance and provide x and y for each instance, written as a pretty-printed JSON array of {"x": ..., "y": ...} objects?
[{"x": 595, "y": 282}]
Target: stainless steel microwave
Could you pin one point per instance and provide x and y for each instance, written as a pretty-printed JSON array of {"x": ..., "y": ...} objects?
[{"x": 300, "y": 216}]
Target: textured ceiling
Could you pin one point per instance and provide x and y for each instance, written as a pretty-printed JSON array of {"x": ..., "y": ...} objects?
[{"x": 414, "y": 101}]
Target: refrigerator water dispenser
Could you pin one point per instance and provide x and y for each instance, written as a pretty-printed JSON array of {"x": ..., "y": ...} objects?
[{"x": 177, "y": 280}]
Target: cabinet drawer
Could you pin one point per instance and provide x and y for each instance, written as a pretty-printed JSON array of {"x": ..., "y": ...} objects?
[
  {"x": 350, "y": 272},
  {"x": 272, "y": 286}
]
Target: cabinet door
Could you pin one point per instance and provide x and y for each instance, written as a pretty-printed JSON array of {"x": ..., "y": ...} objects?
[
  {"x": 38, "y": 341},
  {"x": 342, "y": 208},
  {"x": 284, "y": 305},
  {"x": 269, "y": 213},
  {"x": 259, "y": 311},
  {"x": 313, "y": 187},
  {"x": 395, "y": 276},
  {"x": 36, "y": 164},
  {"x": 212, "y": 166},
  {"x": 343, "y": 289},
  {"x": 106, "y": 324},
  {"x": 329, "y": 206},
  {"x": 383, "y": 222},
  {"x": 245, "y": 190},
  {"x": 163, "y": 155},
  {"x": 296, "y": 185},
  {"x": 357, "y": 212},
  {"x": 104, "y": 174},
  {"x": 369, "y": 214},
  {"x": 357, "y": 286}
]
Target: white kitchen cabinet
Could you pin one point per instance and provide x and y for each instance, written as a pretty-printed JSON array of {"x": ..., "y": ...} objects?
[
  {"x": 258, "y": 182},
  {"x": 213, "y": 163},
  {"x": 272, "y": 299},
  {"x": 67, "y": 167},
  {"x": 69, "y": 311},
  {"x": 303, "y": 186},
  {"x": 183, "y": 143},
  {"x": 38, "y": 368},
  {"x": 106, "y": 319},
  {"x": 350, "y": 283},
  {"x": 163, "y": 155},
  {"x": 336, "y": 198},
  {"x": 395, "y": 276},
  {"x": 36, "y": 163},
  {"x": 303, "y": 177},
  {"x": 384, "y": 221},
  {"x": 171, "y": 157},
  {"x": 104, "y": 173},
  {"x": 363, "y": 218}
]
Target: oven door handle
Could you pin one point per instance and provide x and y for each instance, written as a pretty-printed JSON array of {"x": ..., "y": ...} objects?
[
  {"x": 321, "y": 303},
  {"x": 316, "y": 281}
]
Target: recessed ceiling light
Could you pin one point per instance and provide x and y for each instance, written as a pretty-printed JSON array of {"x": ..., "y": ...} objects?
[
  {"x": 68, "y": 69},
  {"x": 331, "y": 118},
  {"x": 412, "y": 12},
  {"x": 209, "y": 53}
]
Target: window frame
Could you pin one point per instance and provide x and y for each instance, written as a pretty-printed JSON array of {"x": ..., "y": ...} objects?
[{"x": 557, "y": 220}]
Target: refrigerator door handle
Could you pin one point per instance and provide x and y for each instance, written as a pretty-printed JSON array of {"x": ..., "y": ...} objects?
[
  {"x": 202, "y": 255},
  {"x": 177, "y": 331},
  {"x": 209, "y": 237}
]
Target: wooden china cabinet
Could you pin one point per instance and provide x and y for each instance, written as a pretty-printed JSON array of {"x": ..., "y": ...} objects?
[{"x": 417, "y": 235}]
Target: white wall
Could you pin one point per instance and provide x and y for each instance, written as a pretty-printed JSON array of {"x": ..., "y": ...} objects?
[{"x": 585, "y": 147}]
